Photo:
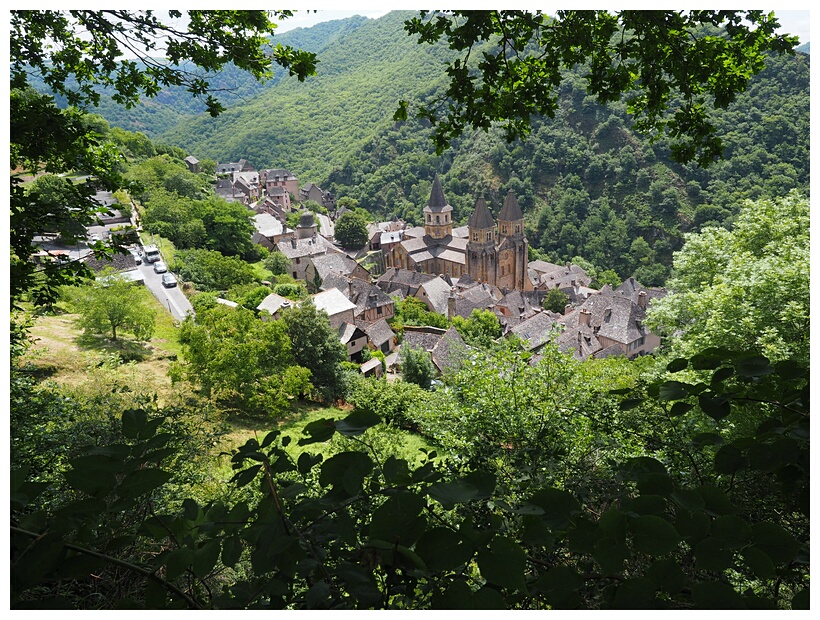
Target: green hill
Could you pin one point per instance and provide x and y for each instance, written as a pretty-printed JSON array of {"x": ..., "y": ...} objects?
[{"x": 588, "y": 184}]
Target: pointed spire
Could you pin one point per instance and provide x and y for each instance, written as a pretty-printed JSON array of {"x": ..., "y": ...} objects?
[
  {"x": 510, "y": 212},
  {"x": 437, "y": 199},
  {"x": 481, "y": 217}
]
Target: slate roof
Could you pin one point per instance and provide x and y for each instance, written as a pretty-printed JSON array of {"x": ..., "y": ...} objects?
[
  {"x": 425, "y": 338},
  {"x": 510, "y": 211},
  {"x": 438, "y": 291},
  {"x": 267, "y": 225},
  {"x": 481, "y": 216},
  {"x": 403, "y": 280},
  {"x": 333, "y": 302},
  {"x": 438, "y": 203},
  {"x": 312, "y": 246},
  {"x": 273, "y": 303},
  {"x": 378, "y": 332},
  {"x": 350, "y": 331},
  {"x": 446, "y": 351},
  {"x": 536, "y": 330},
  {"x": 414, "y": 231},
  {"x": 364, "y": 295},
  {"x": 334, "y": 262}
]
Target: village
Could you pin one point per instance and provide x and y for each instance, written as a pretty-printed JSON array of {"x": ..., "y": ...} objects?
[{"x": 452, "y": 270}]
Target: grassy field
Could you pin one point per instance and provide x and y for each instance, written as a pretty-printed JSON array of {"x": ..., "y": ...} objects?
[{"x": 71, "y": 359}]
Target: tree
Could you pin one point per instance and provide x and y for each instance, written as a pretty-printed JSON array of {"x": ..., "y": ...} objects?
[
  {"x": 655, "y": 58},
  {"x": 114, "y": 303},
  {"x": 237, "y": 358},
  {"x": 555, "y": 300},
  {"x": 277, "y": 263},
  {"x": 316, "y": 346},
  {"x": 211, "y": 270},
  {"x": 480, "y": 329},
  {"x": 351, "y": 230},
  {"x": 742, "y": 288},
  {"x": 416, "y": 366},
  {"x": 54, "y": 45}
]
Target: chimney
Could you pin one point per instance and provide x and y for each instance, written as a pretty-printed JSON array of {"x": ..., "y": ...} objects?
[
  {"x": 350, "y": 291},
  {"x": 451, "y": 304},
  {"x": 642, "y": 300},
  {"x": 607, "y": 314},
  {"x": 584, "y": 317},
  {"x": 567, "y": 309},
  {"x": 293, "y": 242}
]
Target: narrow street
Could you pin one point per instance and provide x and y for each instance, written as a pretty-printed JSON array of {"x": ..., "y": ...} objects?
[{"x": 172, "y": 298}]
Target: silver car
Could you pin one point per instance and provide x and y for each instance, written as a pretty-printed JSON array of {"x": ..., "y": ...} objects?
[
  {"x": 168, "y": 280},
  {"x": 160, "y": 267}
]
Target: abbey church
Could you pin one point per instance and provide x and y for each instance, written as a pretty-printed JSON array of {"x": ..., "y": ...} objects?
[{"x": 495, "y": 253}]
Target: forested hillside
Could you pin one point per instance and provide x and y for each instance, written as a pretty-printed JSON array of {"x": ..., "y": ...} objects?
[{"x": 589, "y": 186}]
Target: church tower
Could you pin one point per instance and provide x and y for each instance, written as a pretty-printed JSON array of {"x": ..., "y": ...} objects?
[
  {"x": 512, "y": 246},
  {"x": 481, "y": 252},
  {"x": 438, "y": 215}
]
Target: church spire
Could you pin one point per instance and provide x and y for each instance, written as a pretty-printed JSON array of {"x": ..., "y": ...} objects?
[
  {"x": 437, "y": 199},
  {"x": 510, "y": 212},
  {"x": 481, "y": 217}
]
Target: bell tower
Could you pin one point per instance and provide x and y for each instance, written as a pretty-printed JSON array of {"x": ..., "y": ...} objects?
[
  {"x": 481, "y": 242},
  {"x": 513, "y": 246},
  {"x": 438, "y": 215}
]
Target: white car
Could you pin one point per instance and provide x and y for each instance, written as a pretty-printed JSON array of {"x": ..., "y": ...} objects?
[
  {"x": 160, "y": 267},
  {"x": 168, "y": 280}
]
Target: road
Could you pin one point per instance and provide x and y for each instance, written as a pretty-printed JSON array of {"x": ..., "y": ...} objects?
[{"x": 172, "y": 298}]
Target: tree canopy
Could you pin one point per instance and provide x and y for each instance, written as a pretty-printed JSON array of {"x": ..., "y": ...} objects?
[{"x": 659, "y": 60}]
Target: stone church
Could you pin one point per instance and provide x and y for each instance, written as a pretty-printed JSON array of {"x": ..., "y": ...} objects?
[{"x": 495, "y": 253}]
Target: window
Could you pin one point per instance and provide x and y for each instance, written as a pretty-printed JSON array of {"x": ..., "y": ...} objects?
[
  {"x": 438, "y": 220},
  {"x": 489, "y": 236},
  {"x": 517, "y": 228},
  {"x": 378, "y": 310},
  {"x": 475, "y": 236}
]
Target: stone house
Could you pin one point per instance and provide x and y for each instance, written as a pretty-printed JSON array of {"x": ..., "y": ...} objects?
[
  {"x": 338, "y": 307},
  {"x": 355, "y": 340},
  {"x": 272, "y": 178},
  {"x": 610, "y": 323}
]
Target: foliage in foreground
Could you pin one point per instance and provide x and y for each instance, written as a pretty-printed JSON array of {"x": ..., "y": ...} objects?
[{"x": 354, "y": 532}]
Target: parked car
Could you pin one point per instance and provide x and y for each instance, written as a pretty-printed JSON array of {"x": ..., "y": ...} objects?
[
  {"x": 168, "y": 280},
  {"x": 160, "y": 267},
  {"x": 137, "y": 257}
]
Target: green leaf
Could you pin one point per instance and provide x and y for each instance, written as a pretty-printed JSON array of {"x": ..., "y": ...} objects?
[
  {"x": 318, "y": 596},
  {"x": 346, "y": 472},
  {"x": 87, "y": 477},
  {"x": 678, "y": 364},
  {"x": 710, "y": 554},
  {"x": 442, "y": 549},
  {"x": 359, "y": 583},
  {"x": 357, "y": 423},
  {"x": 654, "y": 536},
  {"x": 754, "y": 366},
  {"x": 635, "y": 593},
  {"x": 680, "y": 408},
  {"x": 706, "y": 439},
  {"x": 717, "y": 503},
  {"x": 655, "y": 484},
  {"x": 759, "y": 562},
  {"x": 558, "y": 506},
  {"x": 610, "y": 555},
  {"x": 503, "y": 564},
  {"x": 318, "y": 431},
  {"x": 231, "y": 550},
  {"x": 693, "y": 526},
  {"x": 269, "y": 439},
  {"x": 205, "y": 558},
  {"x": 716, "y": 407},
  {"x": 397, "y": 520},
  {"x": 561, "y": 586},
  {"x": 630, "y": 403},
  {"x": 306, "y": 462},
  {"x": 177, "y": 561},
  {"x": 667, "y": 575},
  {"x": 689, "y": 499},
  {"x": 729, "y": 460},
  {"x": 246, "y": 476},
  {"x": 132, "y": 422},
  {"x": 673, "y": 390},
  {"x": 483, "y": 481},
  {"x": 734, "y": 532},
  {"x": 644, "y": 505},
  {"x": 642, "y": 465},
  {"x": 448, "y": 494},
  {"x": 802, "y": 600},
  {"x": 776, "y": 542},
  {"x": 142, "y": 481}
]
